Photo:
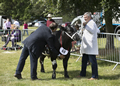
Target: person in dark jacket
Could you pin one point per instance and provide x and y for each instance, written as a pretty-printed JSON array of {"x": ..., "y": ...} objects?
[
  {"x": 34, "y": 46},
  {"x": 14, "y": 36}
]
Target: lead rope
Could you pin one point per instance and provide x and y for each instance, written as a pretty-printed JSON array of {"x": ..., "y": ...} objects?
[{"x": 71, "y": 36}]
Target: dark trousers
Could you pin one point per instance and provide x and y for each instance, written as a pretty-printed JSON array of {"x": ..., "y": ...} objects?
[
  {"x": 92, "y": 59},
  {"x": 8, "y": 30},
  {"x": 13, "y": 41},
  {"x": 33, "y": 61}
]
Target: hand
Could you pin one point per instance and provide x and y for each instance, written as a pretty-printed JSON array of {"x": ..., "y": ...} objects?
[
  {"x": 62, "y": 56},
  {"x": 84, "y": 23}
]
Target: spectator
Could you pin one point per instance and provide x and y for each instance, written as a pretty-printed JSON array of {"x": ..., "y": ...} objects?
[
  {"x": 34, "y": 44},
  {"x": 4, "y": 28},
  {"x": 8, "y": 25},
  {"x": 4, "y": 25},
  {"x": 89, "y": 46},
  {"x": 50, "y": 20},
  {"x": 15, "y": 36},
  {"x": 16, "y": 23},
  {"x": 25, "y": 28}
]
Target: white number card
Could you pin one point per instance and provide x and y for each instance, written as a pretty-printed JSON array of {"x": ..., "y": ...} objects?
[{"x": 63, "y": 51}]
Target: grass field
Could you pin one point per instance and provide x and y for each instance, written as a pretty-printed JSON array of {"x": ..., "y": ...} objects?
[{"x": 9, "y": 60}]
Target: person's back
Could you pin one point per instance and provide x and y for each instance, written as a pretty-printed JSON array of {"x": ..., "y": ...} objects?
[
  {"x": 50, "y": 20},
  {"x": 25, "y": 26},
  {"x": 35, "y": 41},
  {"x": 8, "y": 25},
  {"x": 34, "y": 35}
]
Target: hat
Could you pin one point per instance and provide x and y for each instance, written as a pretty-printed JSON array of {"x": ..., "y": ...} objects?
[{"x": 49, "y": 15}]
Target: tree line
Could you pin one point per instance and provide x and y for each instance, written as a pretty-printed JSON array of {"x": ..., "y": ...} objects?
[{"x": 68, "y": 9}]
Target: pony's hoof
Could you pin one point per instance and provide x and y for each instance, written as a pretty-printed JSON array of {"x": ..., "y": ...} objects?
[
  {"x": 67, "y": 76},
  {"x": 43, "y": 71},
  {"x": 53, "y": 76}
]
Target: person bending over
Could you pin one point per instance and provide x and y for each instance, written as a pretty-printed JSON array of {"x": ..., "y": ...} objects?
[{"x": 34, "y": 46}]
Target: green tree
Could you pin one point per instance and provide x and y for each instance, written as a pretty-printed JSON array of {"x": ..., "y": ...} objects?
[
  {"x": 18, "y": 9},
  {"x": 111, "y": 10},
  {"x": 41, "y": 8}
]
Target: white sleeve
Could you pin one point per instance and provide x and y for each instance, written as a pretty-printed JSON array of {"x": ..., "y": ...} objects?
[
  {"x": 98, "y": 31},
  {"x": 90, "y": 27}
]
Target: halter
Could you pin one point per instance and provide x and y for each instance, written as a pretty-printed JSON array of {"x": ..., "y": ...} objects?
[{"x": 72, "y": 35}]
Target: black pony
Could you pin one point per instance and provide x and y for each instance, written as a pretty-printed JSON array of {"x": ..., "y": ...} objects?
[{"x": 63, "y": 39}]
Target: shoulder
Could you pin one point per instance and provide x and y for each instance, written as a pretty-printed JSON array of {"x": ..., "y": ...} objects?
[
  {"x": 42, "y": 28},
  {"x": 91, "y": 22}
]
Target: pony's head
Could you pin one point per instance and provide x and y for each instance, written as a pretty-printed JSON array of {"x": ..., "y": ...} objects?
[{"x": 71, "y": 32}]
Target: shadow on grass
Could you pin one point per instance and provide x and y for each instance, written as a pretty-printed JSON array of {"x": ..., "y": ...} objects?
[
  {"x": 111, "y": 77},
  {"x": 104, "y": 63},
  {"x": 73, "y": 75}
]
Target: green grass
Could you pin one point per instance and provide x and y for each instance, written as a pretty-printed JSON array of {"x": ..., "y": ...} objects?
[
  {"x": 8, "y": 64},
  {"x": 9, "y": 61},
  {"x": 21, "y": 27}
]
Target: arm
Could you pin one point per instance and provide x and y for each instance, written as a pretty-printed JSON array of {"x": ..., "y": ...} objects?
[
  {"x": 98, "y": 31},
  {"x": 90, "y": 26},
  {"x": 27, "y": 26},
  {"x": 50, "y": 43}
]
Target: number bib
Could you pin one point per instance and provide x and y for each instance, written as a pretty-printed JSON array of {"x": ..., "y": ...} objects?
[{"x": 63, "y": 51}]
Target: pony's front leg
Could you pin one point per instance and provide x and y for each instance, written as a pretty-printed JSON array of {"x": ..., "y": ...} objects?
[
  {"x": 65, "y": 63},
  {"x": 42, "y": 63},
  {"x": 54, "y": 66}
]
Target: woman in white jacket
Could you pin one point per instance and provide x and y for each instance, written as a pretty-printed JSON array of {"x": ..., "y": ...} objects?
[
  {"x": 89, "y": 46},
  {"x": 4, "y": 27}
]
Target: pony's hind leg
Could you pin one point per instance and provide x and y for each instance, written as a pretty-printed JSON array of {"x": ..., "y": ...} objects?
[{"x": 42, "y": 63}]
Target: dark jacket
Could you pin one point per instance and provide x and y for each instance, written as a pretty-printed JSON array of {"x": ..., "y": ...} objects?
[{"x": 38, "y": 39}]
